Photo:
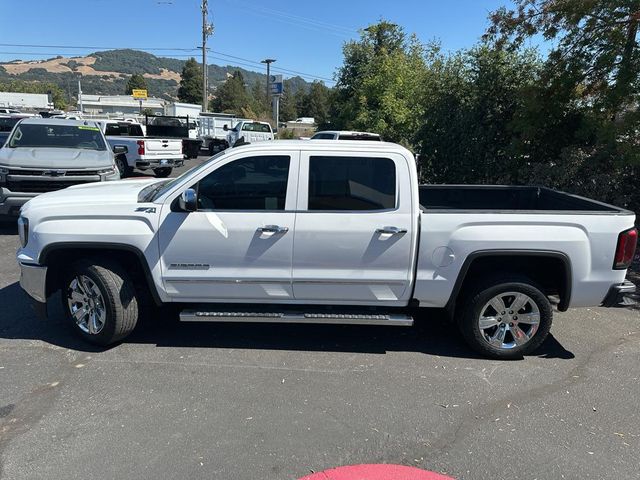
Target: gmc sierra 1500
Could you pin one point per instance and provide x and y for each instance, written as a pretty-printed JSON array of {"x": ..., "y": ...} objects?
[{"x": 324, "y": 232}]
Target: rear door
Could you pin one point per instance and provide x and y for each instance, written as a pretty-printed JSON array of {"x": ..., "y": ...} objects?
[{"x": 355, "y": 232}]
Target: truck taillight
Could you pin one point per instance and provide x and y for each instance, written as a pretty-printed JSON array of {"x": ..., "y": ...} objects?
[
  {"x": 626, "y": 248},
  {"x": 140, "y": 147}
]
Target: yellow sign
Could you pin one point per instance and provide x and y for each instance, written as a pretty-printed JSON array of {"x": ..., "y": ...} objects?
[{"x": 139, "y": 94}]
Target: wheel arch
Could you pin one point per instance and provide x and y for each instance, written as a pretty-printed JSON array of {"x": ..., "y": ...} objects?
[
  {"x": 532, "y": 263},
  {"x": 56, "y": 255}
]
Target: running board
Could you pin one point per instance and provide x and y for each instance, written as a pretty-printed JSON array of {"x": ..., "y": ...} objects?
[{"x": 297, "y": 317}]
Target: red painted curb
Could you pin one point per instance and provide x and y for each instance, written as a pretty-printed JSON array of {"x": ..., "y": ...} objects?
[{"x": 375, "y": 472}]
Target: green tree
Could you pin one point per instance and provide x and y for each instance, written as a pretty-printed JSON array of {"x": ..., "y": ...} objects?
[
  {"x": 190, "y": 89},
  {"x": 595, "y": 43},
  {"x": 57, "y": 94},
  {"x": 259, "y": 102},
  {"x": 579, "y": 127},
  {"x": 469, "y": 102},
  {"x": 232, "y": 95},
  {"x": 379, "y": 83},
  {"x": 135, "y": 82},
  {"x": 315, "y": 103},
  {"x": 288, "y": 107}
]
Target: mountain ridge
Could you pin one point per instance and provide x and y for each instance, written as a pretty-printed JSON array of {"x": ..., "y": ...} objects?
[{"x": 106, "y": 73}]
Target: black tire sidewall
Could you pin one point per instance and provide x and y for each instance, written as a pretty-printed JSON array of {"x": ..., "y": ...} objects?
[
  {"x": 475, "y": 302},
  {"x": 163, "y": 172},
  {"x": 122, "y": 165}
]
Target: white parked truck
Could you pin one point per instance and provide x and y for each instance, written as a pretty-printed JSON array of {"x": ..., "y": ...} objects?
[
  {"x": 143, "y": 153},
  {"x": 323, "y": 232},
  {"x": 42, "y": 155},
  {"x": 212, "y": 131},
  {"x": 249, "y": 131}
]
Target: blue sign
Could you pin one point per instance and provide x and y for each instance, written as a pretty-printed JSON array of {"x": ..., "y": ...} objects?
[{"x": 276, "y": 84}]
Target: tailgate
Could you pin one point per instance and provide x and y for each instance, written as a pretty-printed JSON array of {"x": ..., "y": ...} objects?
[{"x": 165, "y": 148}]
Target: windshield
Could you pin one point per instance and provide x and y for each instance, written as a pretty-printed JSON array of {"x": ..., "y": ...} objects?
[
  {"x": 6, "y": 124},
  {"x": 156, "y": 190},
  {"x": 83, "y": 137}
]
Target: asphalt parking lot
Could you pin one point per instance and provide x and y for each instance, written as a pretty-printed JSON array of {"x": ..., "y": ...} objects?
[{"x": 281, "y": 401}]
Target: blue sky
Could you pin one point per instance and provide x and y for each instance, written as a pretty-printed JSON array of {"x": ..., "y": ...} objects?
[{"x": 305, "y": 36}]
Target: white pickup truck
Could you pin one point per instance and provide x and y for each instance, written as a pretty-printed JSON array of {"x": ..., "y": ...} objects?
[
  {"x": 248, "y": 131},
  {"x": 143, "y": 153},
  {"x": 323, "y": 232}
]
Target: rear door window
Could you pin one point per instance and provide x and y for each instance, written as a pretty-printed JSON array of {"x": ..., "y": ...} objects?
[{"x": 351, "y": 183}]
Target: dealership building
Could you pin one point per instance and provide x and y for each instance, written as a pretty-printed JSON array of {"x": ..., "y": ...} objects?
[
  {"x": 119, "y": 104},
  {"x": 26, "y": 101}
]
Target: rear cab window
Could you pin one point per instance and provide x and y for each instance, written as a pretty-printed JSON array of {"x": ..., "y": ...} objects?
[{"x": 342, "y": 183}]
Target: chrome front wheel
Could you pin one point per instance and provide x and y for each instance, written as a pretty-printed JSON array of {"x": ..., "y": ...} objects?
[{"x": 86, "y": 305}]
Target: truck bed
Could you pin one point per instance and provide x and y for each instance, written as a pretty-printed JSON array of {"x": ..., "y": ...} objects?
[{"x": 505, "y": 198}]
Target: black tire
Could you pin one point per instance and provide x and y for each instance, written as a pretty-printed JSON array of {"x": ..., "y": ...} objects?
[
  {"x": 475, "y": 303},
  {"x": 162, "y": 172},
  {"x": 121, "y": 302},
  {"x": 123, "y": 166},
  {"x": 212, "y": 149}
]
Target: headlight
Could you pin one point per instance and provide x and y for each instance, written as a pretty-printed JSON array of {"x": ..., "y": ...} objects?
[
  {"x": 4, "y": 171},
  {"x": 23, "y": 231}
]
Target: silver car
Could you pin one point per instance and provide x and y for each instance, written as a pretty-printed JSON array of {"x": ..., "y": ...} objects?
[{"x": 43, "y": 155}]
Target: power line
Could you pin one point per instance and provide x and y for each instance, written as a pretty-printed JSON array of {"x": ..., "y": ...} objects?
[{"x": 296, "y": 19}]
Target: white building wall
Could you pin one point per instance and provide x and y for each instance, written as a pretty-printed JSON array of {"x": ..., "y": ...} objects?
[{"x": 34, "y": 101}]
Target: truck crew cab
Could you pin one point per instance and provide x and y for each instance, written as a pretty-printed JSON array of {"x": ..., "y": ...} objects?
[{"x": 324, "y": 232}]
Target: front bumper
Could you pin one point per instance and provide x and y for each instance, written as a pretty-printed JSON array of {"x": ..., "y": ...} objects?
[
  {"x": 11, "y": 202},
  {"x": 33, "y": 280},
  {"x": 619, "y": 295}
]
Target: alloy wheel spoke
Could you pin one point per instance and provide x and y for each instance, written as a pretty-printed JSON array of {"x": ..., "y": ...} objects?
[
  {"x": 519, "y": 302},
  {"x": 529, "y": 318},
  {"x": 488, "y": 322},
  {"x": 79, "y": 315},
  {"x": 498, "y": 304},
  {"x": 92, "y": 324},
  {"x": 519, "y": 337},
  {"x": 77, "y": 297},
  {"x": 498, "y": 337}
]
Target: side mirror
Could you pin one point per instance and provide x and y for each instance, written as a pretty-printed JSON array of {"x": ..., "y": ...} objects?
[
  {"x": 118, "y": 149},
  {"x": 188, "y": 201},
  {"x": 225, "y": 127}
]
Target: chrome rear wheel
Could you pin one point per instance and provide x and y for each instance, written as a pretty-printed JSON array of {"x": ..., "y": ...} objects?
[{"x": 509, "y": 320}]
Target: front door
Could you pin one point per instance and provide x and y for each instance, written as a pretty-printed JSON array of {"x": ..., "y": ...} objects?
[
  {"x": 355, "y": 231},
  {"x": 238, "y": 245}
]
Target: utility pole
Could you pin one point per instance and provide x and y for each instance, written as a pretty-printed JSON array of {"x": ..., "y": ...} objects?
[
  {"x": 80, "y": 95},
  {"x": 207, "y": 30},
  {"x": 268, "y": 61}
]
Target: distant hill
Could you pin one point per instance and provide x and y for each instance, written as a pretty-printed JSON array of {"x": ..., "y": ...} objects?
[{"x": 106, "y": 73}]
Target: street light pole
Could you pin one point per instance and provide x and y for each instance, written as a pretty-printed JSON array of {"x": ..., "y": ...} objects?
[{"x": 268, "y": 61}]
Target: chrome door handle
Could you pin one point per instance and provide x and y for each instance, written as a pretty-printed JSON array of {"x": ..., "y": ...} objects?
[
  {"x": 391, "y": 230},
  {"x": 273, "y": 229}
]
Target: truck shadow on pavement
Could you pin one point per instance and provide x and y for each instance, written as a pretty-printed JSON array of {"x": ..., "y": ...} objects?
[{"x": 432, "y": 334}]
